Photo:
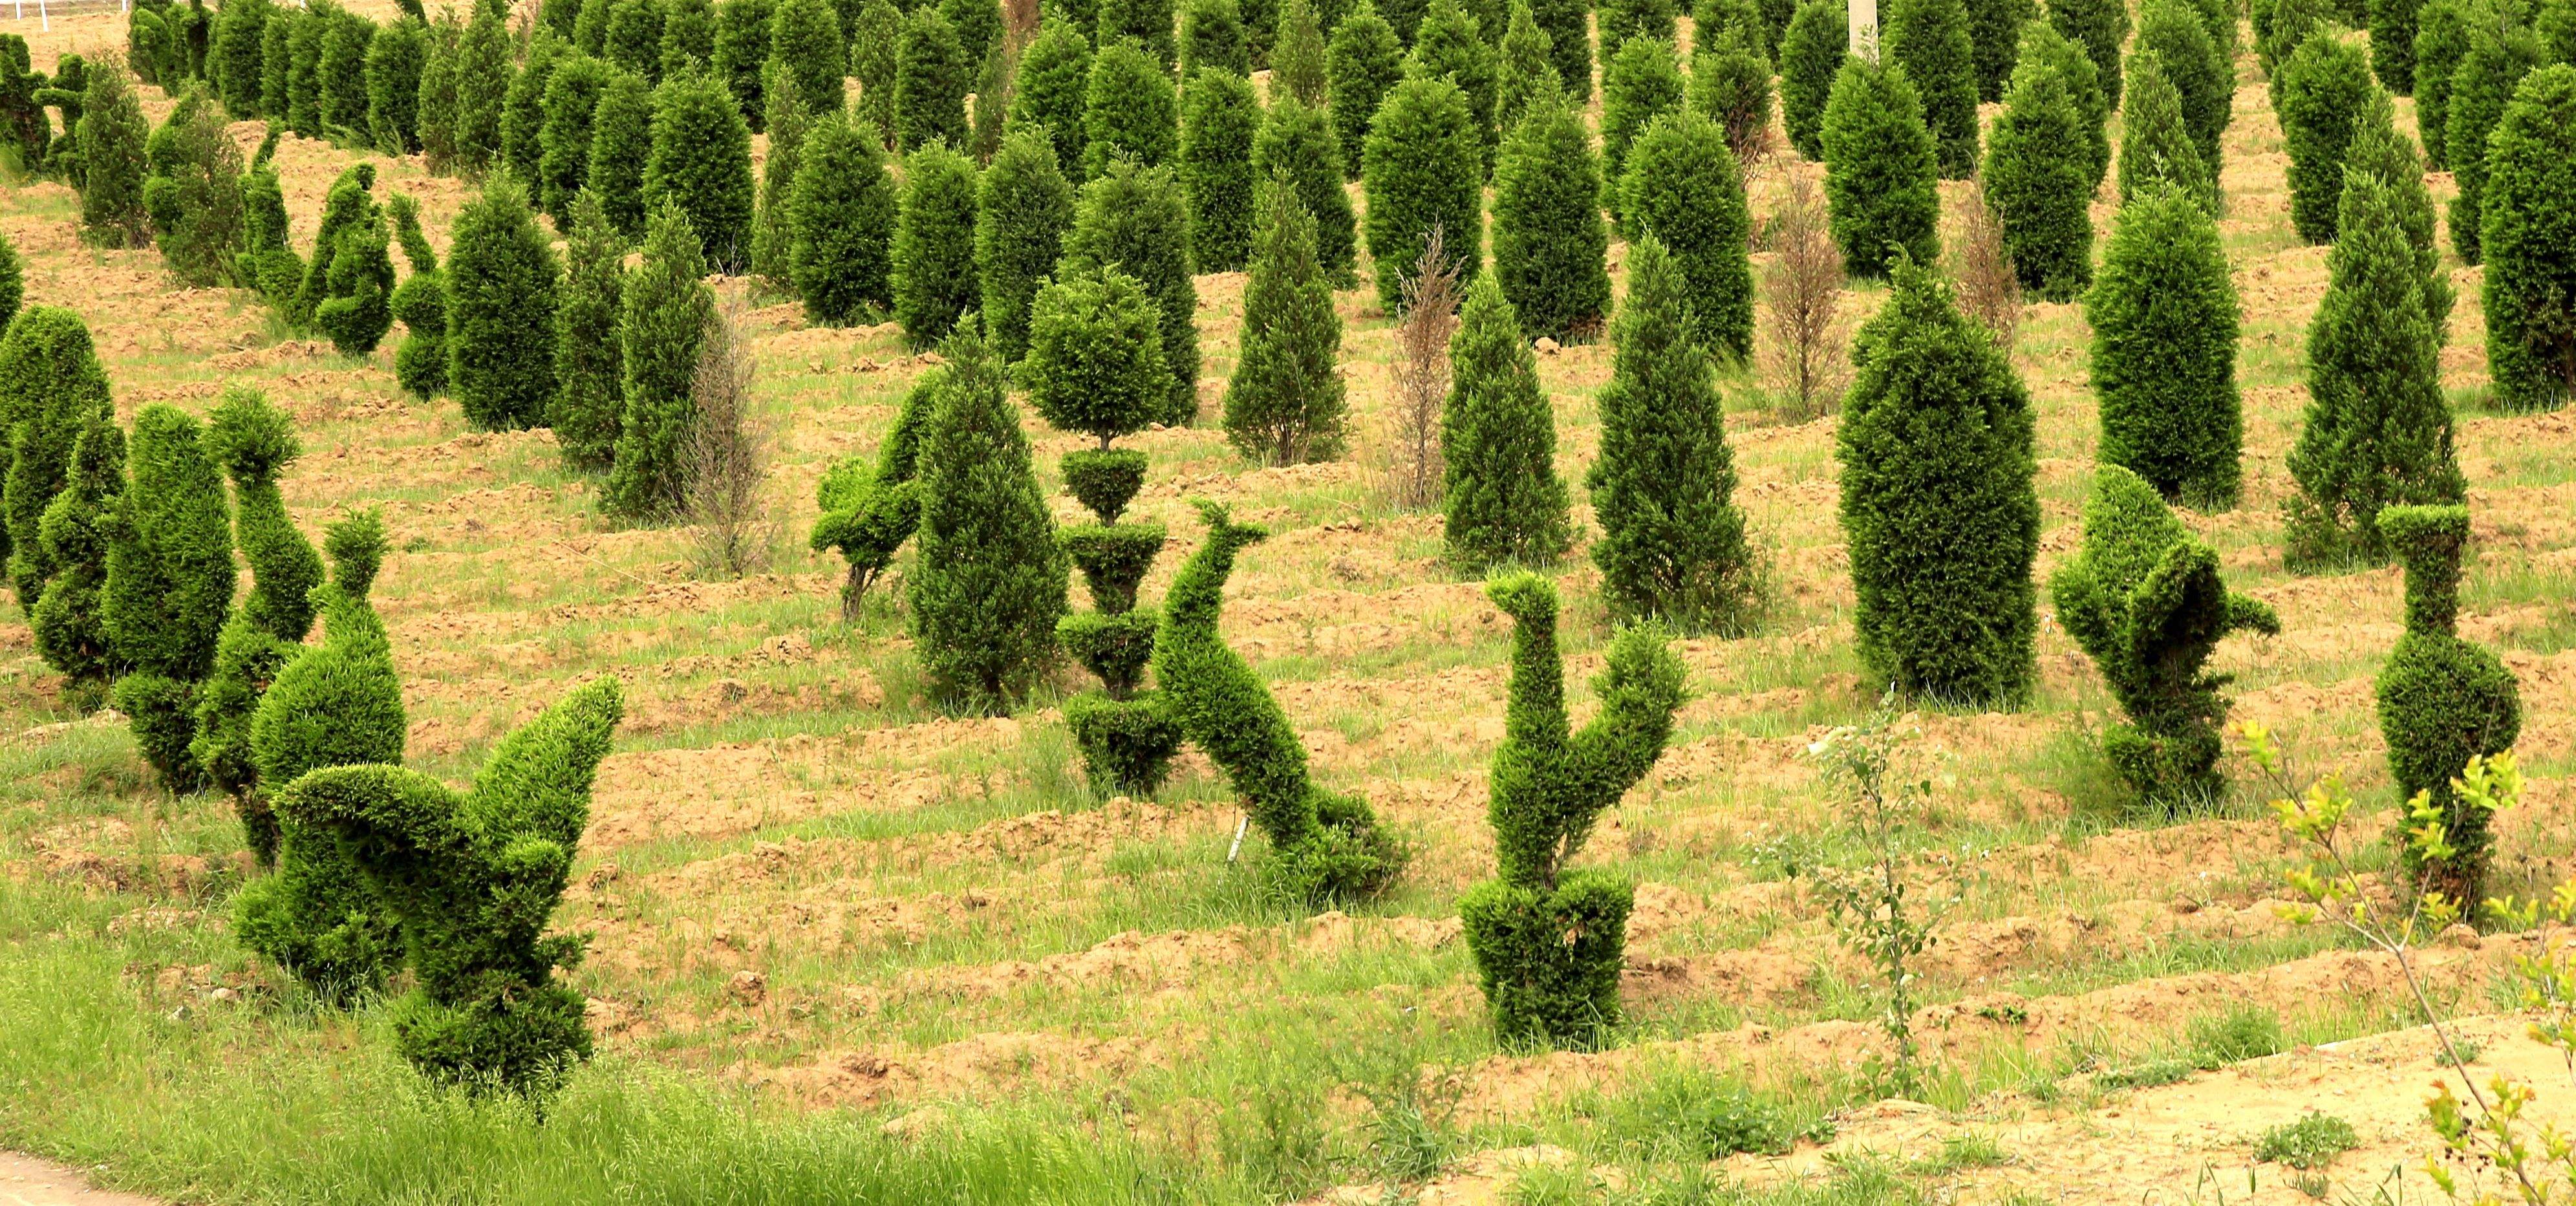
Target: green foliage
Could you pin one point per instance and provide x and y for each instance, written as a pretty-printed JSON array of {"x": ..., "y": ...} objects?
[
  {"x": 50, "y": 385},
  {"x": 23, "y": 123},
  {"x": 1285, "y": 403},
  {"x": 1928, "y": 40},
  {"x": 13, "y": 281},
  {"x": 1994, "y": 39},
  {"x": 2156, "y": 150},
  {"x": 563, "y": 160},
  {"x": 350, "y": 204},
  {"x": 978, "y": 24},
  {"x": 621, "y": 140},
  {"x": 842, "y": 221},
  {"x": 1504, "y": 503},
  {"x": 1022, "y": 214},
  {"x": 1568, "y": 28},
  {"x": 1212, "y": 37},
  {"x": 689, "y": 40},
  {"x": 2196, "y": 64},
  {"x": 2146, "y": 602},
  {"x": 1685, "y": 191},
  {"x": 666, "y": 307},
  {"x": 1362, "y": 62},
  {"x": 1324, "y": 846},
  {"x": 1448, "y": 45},
  {"x": 267, "y": 261},
  {"x": 2481, "y": 88},
  {"x": 1220, "y": 117},
  {"x": 635, "y": 37},
  {"x": 2101, "y": 27},
  {"x": 69, "y": 632},
  {"x": 2442, "y": 700},
  {"x": 1731, "y": 83},
  {"x": 169, "y": 586},
  {"x": 1642, "y": 84},
  {"x": 501, "y": 277},
  {"x": 1104, "y": 480},
  {"x": 482, "y": 83},
  {"x": 193, "y": 192},
  {"x": 112, "y": 135},
  {"x": 1936, "y": 445},
  {"x": 1625, "y": 21},
  {"x": 806, "y": 36},
  {"x": 991, "y": 579},
  {"x": 234, "y": 57},
  {"x": 395, "y": 60},
  {"x": 1422, "y": 172},
  {"x": 875, "y": 37},
  {"x": 2322, "y": 90},
  {"x": 1297, "y": 142},
  {"x": 2441, "y": 42},
  {"x": 1882, "y": 182},
  {"x": 933, "y": 272},
  {"x": 523, "y": 113},
  {"x": 1052, "y": 92},
  {"x": 701, "y": 164},
  {"x": 2379, "y": 150},
  {"x": 773, "y": 222},
  {"x": 420, "y": 305},
  {"x": 343, "y": 71},
  {"x": 1095, "y": 359},
  {"x": 1297, "y": 61},
  {"x": 304, "y": 43},
  {"x": 2378, "y": 430},
  {"x": 1148, "y": 23},
  {"x": 589, "y": 404},
  {"x": 1133, "y": 219},
  {"x": 1548, "y": 939},
  {"x": 1550, "y": 247},
  {"x": 1811, "y": 59},
  {"x": 1521, "y": 68},
  {"x": 2165, "y": 318},
  {"x": 2042, "y": 43},
  {"x": 2036, "y": 180},
  {"x": 1127, "y": 744},
  {"x": 1672, "y": 544},
  {"x": 356, "y": 308},
  {"x": 931, "y": 79},
  {"x": 742, "y": 55},
  {"x": 2315, "y": 1139},
  {"x": 1129, "y": 111},
  {"x": 2530, "y": 246},
  {"x": 473, "y": 879},
  {"x": 870, "y": 510},
  {"x": 434, "y": 108}
]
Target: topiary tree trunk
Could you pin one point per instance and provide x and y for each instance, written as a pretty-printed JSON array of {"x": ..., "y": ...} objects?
[{"x": 1548, "y": 939}]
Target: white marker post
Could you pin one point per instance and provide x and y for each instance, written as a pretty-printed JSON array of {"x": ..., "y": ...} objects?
[{"x": 1864, "y": 29}]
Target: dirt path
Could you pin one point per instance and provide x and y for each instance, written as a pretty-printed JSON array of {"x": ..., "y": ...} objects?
[{"x": 25, "y": 1181}]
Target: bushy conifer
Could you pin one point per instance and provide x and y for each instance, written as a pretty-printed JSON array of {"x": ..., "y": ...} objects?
[
  {"x": 870, "y": 508},
  {"x": 621, "y": 142},
  {"x": 1297, "y": 61},
  {"x": 876, "y": 42},
  {"x": 2194, "y": 63},
  {"x": 1022, "y": 216},
  {"x": 689, "y": 40},
  {"x": 1685, "y": 190},
  {"x": 588, "y": 408},
  {"x": 1568, "y": 28},
  {"x": 664, "y": 311},
  {"x": 1221, "y": 115},
  {"x": 1149, "y": 23},
  {"x": 2101, "y": 27},
  {"x": 434, "y": 109},
  {"x": 806, "y": 35},
  {"x": 1939, "y": 507},
  {"x": 2481, "y": 88},
  {"x": 2035, "y": 178},
  {"x": 348, "y": 205},
  {"x": 1994, "y": 38},
  {"x": 2442, "y": 700},
  {"x": 742, "y": 55},
  {"x": 931, "y": 80},
  {"x": 701, "y": 162},
  {"x": 1297, "y": 142},
  {"x": 501, "y": 276},
  {"x": 235, "y": 57},
  {"x": 1421, "y": 175},
  {"x": 1285, "y": 403},
  {"x": 1212, "y": 36},
  {"x": 1882, "y": 180},
  {"x": 112, "y": 135},
  {"x": 1448, "y": 45},
  {"x": 344, "y": 78},
  {"x": 2042, "y": 43},
  {"x": 192, "y": 191},
  {"x": 304, "y": 43},
  {"x": 1135, "y": 219},
  {"x": 1731, "y": 83},
  {"x": 523, "y": 109},
  {"x": 1129, "y": 110},
  {"x": 2392, "y": 43},
  {"x": 1362, "y": 62},
  {"x": 1811, "y": 59},
  {"x": 1052, "y": 93},
  {"x": 1643, "y": 83},
  {"x": 1504, "y": 503},
  {"x": 773, "y": 220},
  {"x": 482, "y": 82},
  {"x": 933, "y": 271},
  {"x": 2155, "y": 148},
  {"x": 1521, "y": 68},
  {"x": 1623, "y": 21},
  {"x": 2441, "y": 41},
  {"x": 2379, "y": 150},
  {"x": 169, "y": 587},
  {"x": 2322, "y": 90},
  {"x": 69, "y": 632},
  {"x": 1095, "y": 366},
  {"x": 1550, "y": 247},
  {"x": 564, "y": 137},
  {"x": 842, "y": 223},
  {"x": 50, "y": 385},
  {"x": 635, "y": 37},
  {"x": 590, "y": 26},
  {"x": 2164, "y": 315},
  {"x": 395, "y": 60},
  {"x": 2530, "y": 243},
  {"x": 1928, "y": 39}
]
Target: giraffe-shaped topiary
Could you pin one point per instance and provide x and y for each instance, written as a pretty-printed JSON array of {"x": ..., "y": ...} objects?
[
  {"x": 1548, "y": 939},
  {"x": 2442, "y": 700}
]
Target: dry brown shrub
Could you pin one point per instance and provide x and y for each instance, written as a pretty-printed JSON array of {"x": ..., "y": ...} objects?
[
  {"x": 733, "y": 531},
  {"x": 1803, "y": 332},
  {"x": 1413, "y": 468},
  {"x": 1988, "y": 290}
]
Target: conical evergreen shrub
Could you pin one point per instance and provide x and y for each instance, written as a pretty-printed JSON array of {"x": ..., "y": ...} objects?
[
  {"x": 434, "y": 109},
  {"x": 344, "y": 78},
  {"x": 169, "y": 588},
  {"x": 590, "y": 26},
  {"x": 1811, "y": 59},
  {"x": 1731, "y": 83},
  {"x": 395, "y": 59},
  {"x": 501, "y": 276},
  {"x": 1297, "y": 143},
  {"x": 1422, "y": 174},
  {"x": 978, "y": 24},
  {"x": 870, "y": 508},
  {"x": 1448, "y": 45},
  {"x": 1549, "y": 939},
  {"x": 1504, "y": 503},
  {"x": 1928, "y": 39},
  {"x": 876, "y": 44},
  {"x": 304, "y": 43},
  {"x": 2101, "y": 27},
  {"x": 112, "y": 135},
  {"x": 2442, "y": 700},
  {"x": 1521, "y": 68},
  {"x": 2042, "y": 43},
  {"x": 2379, "y": 150},
  {"x": 2035, "y": 179},
  {"x": 2378, "y": 429},
  {"x": 773, "y": 219},
  {"x": 2165, "y": 318},
  {"x": 1297, "y": 62},
  {"x": 701, "y": 162},
  {"x": 689, "y": 40},
  {"x": 931, "y": 80},
  {"x": 806, "y": 36},
  {"x": 193, "y": 192},
  {"x": 50, "y": 385},
  {"x": 1569, "y": 44},
  {"x": 1221, "y": 115},
  {"x": 2530, "y": 243},
  {"x": 635, "y": 37},
  {"x": 665, "y": 308},
  {"x": 234, "y": 58},
  {"x": 1939, "y": 507},
  {"x": 1643, "y": 83},
  {"x": 2481, "y": 87},
  {"x": 1994, "y": 39},
  {"x": 621, "y": 142},
  {"x": 1685, "y": 191},
  {"x": 1212, "y": 36},
  {"x": 1550, "y": 248},
  {"x": 1022, "y": 216},
  {"x": 1134, "y": 219},
  {"x": 742, "y": 55},
  {"x": 2203, "y": 79},
  {"x": 69, "y": 632},
  {"x": 2441, "y": 42},
  {"x": 523, "y": 114},
  {"x": 1362, "y": 62},
  {"x": 2155, "y": 148},
  {"x": 1882, "y": 182},
  {"x": 2146, "y": 602},
  {"x": 483, "y": 73},
  {"x": 2322, "y": 90},
  {"x": 1052, "y": 92},
  {"x": 843, "y": 220},
  {"x": 563, "y": 158},
  {"x": 588, "y": 409},
  {"x": 1129, "y": 110},
  {"x": 1623, "y": 21},
  {"x": 1285, "y": 403},
  {"x": 2392, "y": 43},
  {"x": 1149, "y": 23},
  {"x": 933, "y": 270}
]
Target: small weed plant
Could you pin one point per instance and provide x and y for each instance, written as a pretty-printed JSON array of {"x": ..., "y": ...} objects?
[{"x": 1874, "y": 910}]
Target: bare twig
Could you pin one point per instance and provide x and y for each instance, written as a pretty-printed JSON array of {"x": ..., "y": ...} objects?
[
  {"x": 728, "y": 456},
  {"x": 1421, "y": 376},
  {"x": 1802, "y": 290},
  {"x": 1988, "y": 289}
]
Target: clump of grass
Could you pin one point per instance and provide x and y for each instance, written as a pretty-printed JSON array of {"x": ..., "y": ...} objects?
[
  {"x": 1961, "y": 1152},
  {"x": 1691, "y": 1115},
  {"x": 2310, "y": 1143},
  {"x": 2243, "y": 1033},
  {"x": 2466, "y": 1051},
  {"x": 2151, "y": 1074}
]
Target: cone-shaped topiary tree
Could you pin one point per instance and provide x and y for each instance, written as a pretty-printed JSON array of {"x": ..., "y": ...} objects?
[
  {"x": 1023, "y": 214},
  {"x": 1130, "y": 110},
  {"x": 773, "y": 222},
  {"x": 1928, "y": 40},
  {"x": 933, "y": 270},
  {"x": 1731, "y": 84},
  {"x": 2101, "y": 27},
  {"x": 742, "y": 55},
  {"x": 1448, "y": 45},
  {"x": 1422, "y": 174},
  {"x": 2442, "y": 700},
  {"x": 1220, "y": 117},
  {"x": 69, "y": 631},
  {"x": 1994, "y": 39},
  {"x": 689, "y": 39},
  {"x": 1324, "y": 845},
  {"x": 563, "y": 161},
  {"x": 842, "y": 250},
  {"x": 1811, "y": 59},
  {"x": 1297, "y": 142},
  {"x": 1297, "y": 60},
  {"x": 1149, "y": 23},
  {"x": 1685, "y": 191},
  {"x": 501, "y": 276},
  {"x": 2322, "y": 90},
  {"x": 1052, "y": 91},
  {"x": 2165, "y": 317},
  {"x": 169, "y": 587},
  {"x": 1285, "y": 403},
  {"x": 112, "y": 133},
  {"x": 876, "y": 42},
  {"x": 1882, "y": 182},
  {"x": 1362, "y": 62},
  {"x": 931, "y": 79},
  {"x": 2042, "y": 43},
  {"x": 1521, "y": 68},
  {"x": 2481, "y": 88},
  {"x": 620, "y": 144},
  {"x": 523, "y": 113},
  {"x": 1672, "y": 544},
  {"x": 1504, "y": 502},
  {"x": 1938, "y": 503},
  {"x": 665, "y": 308},
  {"x": 2203, "y": 79},
  {"x": 635, "y": 37},
  {"x": 2146, "y": 602},
  {"x": 588, "y": 409},
  {"x": 1548, "y": 938},
  {"x": 2156, "y": 150},
  {"x": 991, "y": 581},
  {"x": 2378, "y": 430},
  {"x": 234, "y": 57},
  {"x": 472, "y": 879},
  {"x": 869, "y": 509},
  {"x": 2392, "y": 43},
  {"x": 1133, "y": 219},
  {"x": 701, "y": 162},
  {"x": 805, "y": 36},
  {"x": 1212, "y": 36},
  {"x": 1569, "y": 45},
  {"x": 50, "y": 385},
  {"x": 1643, "y": 83},
  {"x": 433, "y": 108},
  {"x": 2036, "y": 181},
  {"x": 2530, "y": 243},
  {"x": 1549, "y": 243},
  {"x": 2379, "y": 150},
  {"x": 1625, "y": 21},
  {"x": 483, "y": 55},
  {"x": 395, "y": 59},
  {"x": 2441, "y": 42}
]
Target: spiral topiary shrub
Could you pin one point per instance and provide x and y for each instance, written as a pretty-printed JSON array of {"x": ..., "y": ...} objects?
[
  {"x": 870, "y": 509},
  {"x": 420, "y": 305},
  {"x": 169, "y": 587},
  {"x": 1548, "y": 939},
  {"x": 50, "y": 384},
  {"x": 2442, "y": 700}
]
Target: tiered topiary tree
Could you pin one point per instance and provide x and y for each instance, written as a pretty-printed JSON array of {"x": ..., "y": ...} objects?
[
  {"x": 2442, "y": 700},
  {"x": 1550, "y": 247},
  {"x": 2036, "y": 181},
  {"x": 50, "y": 386},
  {"x": 1548, "y": 938},
  {"x": 1994, "y": 39},
  {"x": 1051, "y": 93},
  {"x": 1130, "y": 110},
  {"x": 1939, "y": 506},
  {"x": 1221, "y": 116},
  {"x": 1362, "y": 63},
  {"x": 2101, "y": 27},
  {"x": 2378, "y": 429},
  {"x": 931, "y": 79},
  {"x": 563, "y": 141},
  {"x": 588, "y": 410},
  {"x": 665, "y": 309},
  {"x": 990, "y": 586},
  {"x": 70, "y": 634},
  {"x": 2197, "y": 66},
  {"x": 1504, "y": 503},
  {"x": 1297, "y": 142},
  {"x": 2156, "y": 150},
  {"x": 869, "y": 509},
  {"x": 193, "y": 192},
  {"x": 1285, "y": 404},
  {"x": 1212, "y": 36},
  {"x": 742, "y": 55},
  {"x": 473, "y": 879},
  {"x": 1133, "y": 219},
  {"x": 933, "y": 270},
  {"x": 621, "y": 141},
  {"x": 2441, "y": 42},
  {"x": 112, "y": 133},
  {"x": 805, "y": 37},
  {"x": 1324, "y": 846},
  {"x": 2165, "y": 316},
  {"x": 1643, "y": 83},
  {"x": 1811, "y": 59},
  {"x": 2146, "y": 601},
  {"x": 1928, "y": 40},
  {"x": 501, "y": 276},
  {"x": 1685, "y": 191},
  {"x": 2322, "y": 91},
  {"x": 1422, "y": 174},
  {"x": 2481, "y": 88},
  {"x": 2530, "y": 243},
  {"x": 1022, "y": 216},
  {"x": 841, "y": 248},
  {"x": 169, "y": 587},
  {"x": 1882, "y": 182}
]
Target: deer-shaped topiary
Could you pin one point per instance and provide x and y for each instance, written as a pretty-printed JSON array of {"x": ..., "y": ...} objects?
[
  {"x": 1548, "y": 939},
  {"x": 2442, "y": 700}
]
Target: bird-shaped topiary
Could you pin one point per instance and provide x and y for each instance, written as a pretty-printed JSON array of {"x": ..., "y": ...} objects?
[
  {"x": 2442, "y": 700},
  {"x": 869, "y": 511}
]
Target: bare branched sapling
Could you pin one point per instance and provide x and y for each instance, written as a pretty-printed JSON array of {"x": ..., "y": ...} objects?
[
  {"x": 728, "y": 456},
  {"x": 1802, "y": 290},
  {"x": 1421, "y": 376}
]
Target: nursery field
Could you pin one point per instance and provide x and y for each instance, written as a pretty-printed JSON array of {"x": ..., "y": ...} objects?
[{"x": 845, "y": 947}]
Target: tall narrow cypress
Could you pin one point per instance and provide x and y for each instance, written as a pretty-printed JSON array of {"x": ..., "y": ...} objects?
[
  {"x": 2197, "y": 67},
  {"x": 1285, "y": 403},
  {"x": 1422, "y": 174},
  {"x": 701, "y": 162},
  {"x": 1052, "y": 91},
  {"x": 742, "y": 55},
  {"x": 841, "y": 254},
  {"x": 2441, "y": 41},
  {"x": 1882, "y": 180},
  {"x": 621, "y": 142},
  {"x": 2165, "y": 317},
  {"x": 483, "y": 74},
  {"x": 50, "y": 386},
  {"x": 2155, "y": 147},
  {"x": 1569, "y": 44},
  {"x": 1994, "y": 39},
  {"x": 1811, "y": 59},
  {"x": 2481, "y": 87},
  {"x": 806, "y": 36},
  {"x": 933, "y": 271},
  {"x": 663, "y": 322},
  {"x": 501, "y": 277},
  {"x": 773, "y": 232},
  {"x": 589, "y": 403},
  {"x": 2322, "y": 91},
  {"x": 1298, "y": 142},
  {"x": 395, "y": 59},
  {"x": 1504, "y": 502},
  {"x": 2036, "y": 180},
  {"x": 1024, "y": 209},
  {"x": 1643, "y": 83},
  {"x": 1449, "y": 46},
  {"x": 1550, "y": 248},
  {"x": 1929, "y": 40},
  {"x": 1362, "y": 62},
  {"x": 1130, "y": 110},
  {"x": 1220, "y": 117},
  {"x": 2101, "y": 27},
  {"x": 1685, "y": 190},
  {"x": 2530, "y": 243},
  {"x": 563, "y": 160},
  {"x": 931, "y": 79},
  {"x": 1134, "y": 219},
  {"x": 1149, "y": 23},
  {"x": 876, "y": 43},
  {"x": 1297, "y": 60}
]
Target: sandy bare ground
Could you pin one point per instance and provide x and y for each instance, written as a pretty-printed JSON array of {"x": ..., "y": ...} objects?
[{"x": 26, "y": 1181}]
